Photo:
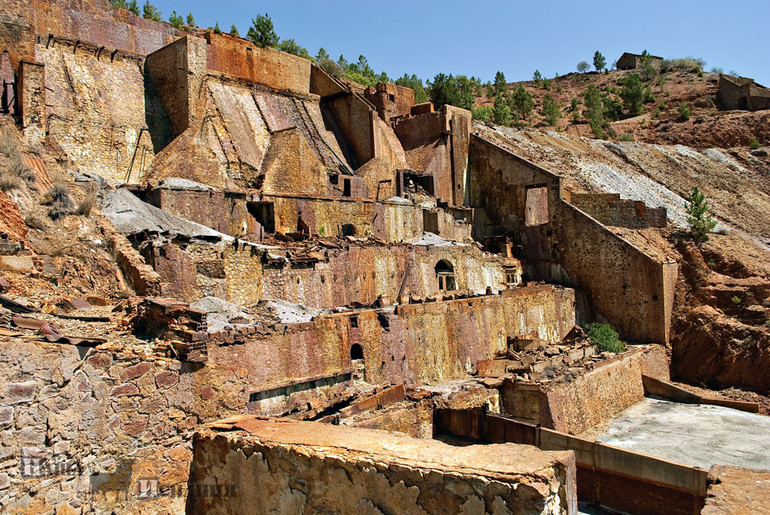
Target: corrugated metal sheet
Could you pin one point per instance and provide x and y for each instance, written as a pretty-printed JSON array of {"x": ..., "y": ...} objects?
[{"x": 37, "y": 166}]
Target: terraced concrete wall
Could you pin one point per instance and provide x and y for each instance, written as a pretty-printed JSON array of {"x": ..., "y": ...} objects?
[
  {"x": 588, "y": 400},
  {"x": 90, "y": 21},
  {"x": 242, "y": 59},
  {"x": 560, "y": 243},
  {"x": 417, "y": 344}
]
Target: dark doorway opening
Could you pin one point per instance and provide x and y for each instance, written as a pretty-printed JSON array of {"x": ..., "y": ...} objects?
[
  {"x": 264, "y": 214},
  {"x": 356, "y": 352}
]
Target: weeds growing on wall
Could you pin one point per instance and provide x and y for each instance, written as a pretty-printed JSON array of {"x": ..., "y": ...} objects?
[{"x": 605, "y": 338}]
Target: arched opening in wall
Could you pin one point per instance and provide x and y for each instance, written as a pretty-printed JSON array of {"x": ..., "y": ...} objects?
[
  {"x": 356, "y": 352},
  {"x": 445, "y": 274}
]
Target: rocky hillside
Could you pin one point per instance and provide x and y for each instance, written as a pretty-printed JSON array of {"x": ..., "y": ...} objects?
[{"x": 661, "y": 122}]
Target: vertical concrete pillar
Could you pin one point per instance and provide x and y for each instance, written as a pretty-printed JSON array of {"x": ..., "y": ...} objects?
[{"x": 31, "y": 98}]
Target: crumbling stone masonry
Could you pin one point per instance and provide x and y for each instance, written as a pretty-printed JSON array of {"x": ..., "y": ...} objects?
[{"x": 286, "y": 466}]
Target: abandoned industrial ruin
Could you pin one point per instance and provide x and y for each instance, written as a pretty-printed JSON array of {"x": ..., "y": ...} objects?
[{"x": 296, "y": 294}]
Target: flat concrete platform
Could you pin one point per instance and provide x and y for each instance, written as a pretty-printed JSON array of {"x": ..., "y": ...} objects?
[{"x": 692, "y": 434}]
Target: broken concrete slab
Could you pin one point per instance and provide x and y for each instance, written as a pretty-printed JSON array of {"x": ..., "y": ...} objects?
[{"x": 132, "y": 216}]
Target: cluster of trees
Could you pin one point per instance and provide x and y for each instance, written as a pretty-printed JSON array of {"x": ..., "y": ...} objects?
[
  {"x": 600, "y": 63},
  {"x": 148, "y": 11}
]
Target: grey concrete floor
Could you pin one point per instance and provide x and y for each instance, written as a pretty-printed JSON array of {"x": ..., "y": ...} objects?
[{"x": 692, "y": 434}]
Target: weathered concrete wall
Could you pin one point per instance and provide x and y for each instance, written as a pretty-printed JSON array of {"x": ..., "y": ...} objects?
[
  {"x": 434, "y": 342},
  {"x": 102, "y": 421},
  {"x": 417, "y": 344},
  {"x": 437, "y": 144},
  {"x": 242, "y": 59},
  {"x": 32, "y": 99},
  {"x": 337, "y": 276},
  {"x": 460, "y": 123},
  {"x": 97, "y": 109},
  {"x": 499, "y": 184},
  {"x": 288, "y": 466},
  {"x": 17, "y": 35},
  {"x": 607, "y": 476},
  {"x": 610, "y": 209},
  {"x": 632, "y": 290},
  {"x": 176, "y": 73},
  {"x": 588, "y": 400},
  {"x": 361, "y": 274},
  {"x": 355, "y": 119},
  {"x": 89, "y": 21},
  {"x": 635, "y": 292},
  {"x": 742, "y": 93},
  {"x": 391, "y": 100}
]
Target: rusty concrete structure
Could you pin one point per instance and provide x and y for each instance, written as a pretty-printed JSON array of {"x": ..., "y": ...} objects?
[
  {"x": 629, "y": 61},
  {"x": 287, "y": 244},
  {"x": 741, "y": 93}
]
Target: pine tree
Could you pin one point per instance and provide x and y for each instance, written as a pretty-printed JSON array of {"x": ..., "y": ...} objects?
[
  {"x": 262, "y": 32},
  {"x": 551, "y": 110},
  {"x": 583, "y": 66},
  {"x": 633, "y": 94},
  {"x": 501, "y": 86},
  {"x": 234, "y": 31},
  {"x": 599, "y": 61},
  {"x": 150, "y": 12},
  {"x": 190, "y": 20},
  {"x": 699, "y": 216},
  {"x": 501, "y": 113},
  {"x": 522, "y": 103},
  {"x": 594, "y": 111}
]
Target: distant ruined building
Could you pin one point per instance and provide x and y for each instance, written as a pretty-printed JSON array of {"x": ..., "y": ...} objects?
[{"x": 741, "y": 93}]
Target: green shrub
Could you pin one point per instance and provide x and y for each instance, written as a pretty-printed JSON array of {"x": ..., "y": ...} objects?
[
  {"x": 633, "y": 94},
  {"x": 483, "y": 114},
  {"x": 684, "y": 112},
  {"x": 735, "y": 300},
  {"x": 176, "y": 20},
  {"x": 521, "y": 102},
  {"x": 605, "y": 338},
  {"x": 150, "y": 12},
  {"x": 626, "y": 136},
  {"x": 699, "y": 216},
  {"x": 754, "y": 143}
]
